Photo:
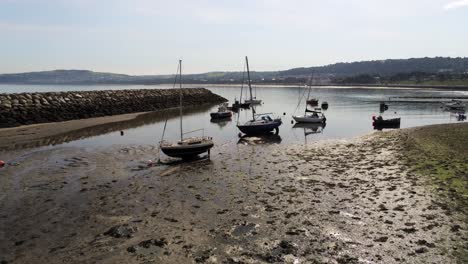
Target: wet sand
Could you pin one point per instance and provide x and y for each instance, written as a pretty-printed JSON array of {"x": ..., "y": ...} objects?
[
  {"x": 30, "y": 133},
  {"x": 62, "y": 132},
  {"x": 336, "y": 201}
]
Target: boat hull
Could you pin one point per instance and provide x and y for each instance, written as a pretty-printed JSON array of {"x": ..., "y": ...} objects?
[
  {"x": 259, "y": 128},
  {"x": 253, "y": 101},
  {"x": 221, "y": 115},
  {"x": 305, "y": 119},
  {"x": 186, "y": 151},
  {"x": 237, "y": 106},
  {"x": 388, "y": 123}
]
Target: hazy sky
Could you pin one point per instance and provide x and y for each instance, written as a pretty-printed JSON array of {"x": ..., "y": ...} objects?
[{"x": 149, "y": 36}]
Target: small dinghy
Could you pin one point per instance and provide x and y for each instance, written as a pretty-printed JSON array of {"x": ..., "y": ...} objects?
[
  {"x": 380, "y": 123},
  {"x": 383, "y": 107},
  {"x": 325, "y": 105},
  {"x": 222, "y": 113}
]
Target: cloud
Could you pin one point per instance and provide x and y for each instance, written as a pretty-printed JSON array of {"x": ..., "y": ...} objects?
[{"x": 456, "y": 4}]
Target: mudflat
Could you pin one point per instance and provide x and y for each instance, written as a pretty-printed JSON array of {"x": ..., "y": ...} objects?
[
  {"x": 31, "y": 133},
  {"x": 363, "y": 200}
]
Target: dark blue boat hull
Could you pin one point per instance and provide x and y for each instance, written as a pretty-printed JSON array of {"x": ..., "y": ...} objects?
[
  {"x": 260, "y": 128},
  {"x": 187, "y": 153},
  {"x": 220, "y": 115},
  {"x": 388, "y": 123}
]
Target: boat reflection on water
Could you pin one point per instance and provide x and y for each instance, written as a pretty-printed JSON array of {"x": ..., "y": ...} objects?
[
  {"x": 269, "y": 138},
  {"x": 221, "y": 122},
  {"x": 310, "y": 128},
  {"x": 139, "y": 121}
]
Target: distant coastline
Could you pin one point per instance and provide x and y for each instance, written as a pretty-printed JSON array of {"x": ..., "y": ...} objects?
[{"x": 438, "y": 72}]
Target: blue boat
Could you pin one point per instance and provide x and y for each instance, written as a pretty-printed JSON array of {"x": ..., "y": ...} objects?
[{"x": 261, "y": 124}]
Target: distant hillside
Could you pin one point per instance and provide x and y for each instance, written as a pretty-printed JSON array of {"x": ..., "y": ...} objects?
[
  {"x": 329, "y": 73},
  {"x": 72, "y": 77},
  {"x": 386, "y": 67}
]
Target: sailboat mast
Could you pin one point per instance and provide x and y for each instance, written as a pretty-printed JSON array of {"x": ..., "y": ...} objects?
[
  {"x": 180, "y": 97},
  {"x": 242, "y": 85},
  {"x": 248, "y": 76},
  {"x": 250, "y": 87},
  {"x": 308, "y": 95}
]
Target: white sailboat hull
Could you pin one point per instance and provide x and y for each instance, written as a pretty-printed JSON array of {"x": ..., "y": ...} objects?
[{"x": 309, "y": 119}]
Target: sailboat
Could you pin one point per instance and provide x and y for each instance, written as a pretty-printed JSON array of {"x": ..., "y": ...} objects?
[
  {"x": 238, "y": 103},
  {"x": 260, "y": 123},
  {"x": 310, "y": 116},
  {"x": 253, "y": 99},
  {"x": 185, "y": 147}
]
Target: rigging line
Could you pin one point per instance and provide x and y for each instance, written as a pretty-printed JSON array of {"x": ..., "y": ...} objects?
[
  {"x": 162, "y": 139},
  {"x": 167, "y": 117},
  {"x": 300, "y": 100},
  {"x": 308, "y": 96}
]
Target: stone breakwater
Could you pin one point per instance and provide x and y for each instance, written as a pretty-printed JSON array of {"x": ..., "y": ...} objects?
[{"x": 31, "y": 108}]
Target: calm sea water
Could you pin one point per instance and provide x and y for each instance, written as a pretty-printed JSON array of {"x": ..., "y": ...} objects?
[{"x": 349, "y": 114}]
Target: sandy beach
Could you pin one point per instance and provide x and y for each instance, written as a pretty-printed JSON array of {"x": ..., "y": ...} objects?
[{"x": 335, "y": 201}]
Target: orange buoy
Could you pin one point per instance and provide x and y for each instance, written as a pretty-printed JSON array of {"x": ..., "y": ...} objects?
[{"x": 2, "y": 163}]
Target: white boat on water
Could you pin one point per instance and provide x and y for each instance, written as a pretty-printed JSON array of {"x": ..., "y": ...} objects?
[{"x": 311, "y": 116}]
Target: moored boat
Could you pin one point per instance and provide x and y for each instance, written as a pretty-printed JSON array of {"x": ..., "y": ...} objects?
[
  {"x": 188, "y": 147},
  {"x": 383, "y": 107},
  {"x": 223, "y": 112},
  {"x": 260, "y": 124},
  {"x": 311, "y": 116},
  {"x": 325, "y": 105},
  {"x": 380, "y": 123},
  {"x": 185, "y": 147}
]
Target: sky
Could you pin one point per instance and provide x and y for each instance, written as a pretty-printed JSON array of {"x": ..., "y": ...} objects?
[{"x": 150, "y": 36}]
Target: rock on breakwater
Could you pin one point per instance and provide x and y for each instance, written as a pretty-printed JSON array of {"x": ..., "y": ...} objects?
[{"x": 31, "y": 108}]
